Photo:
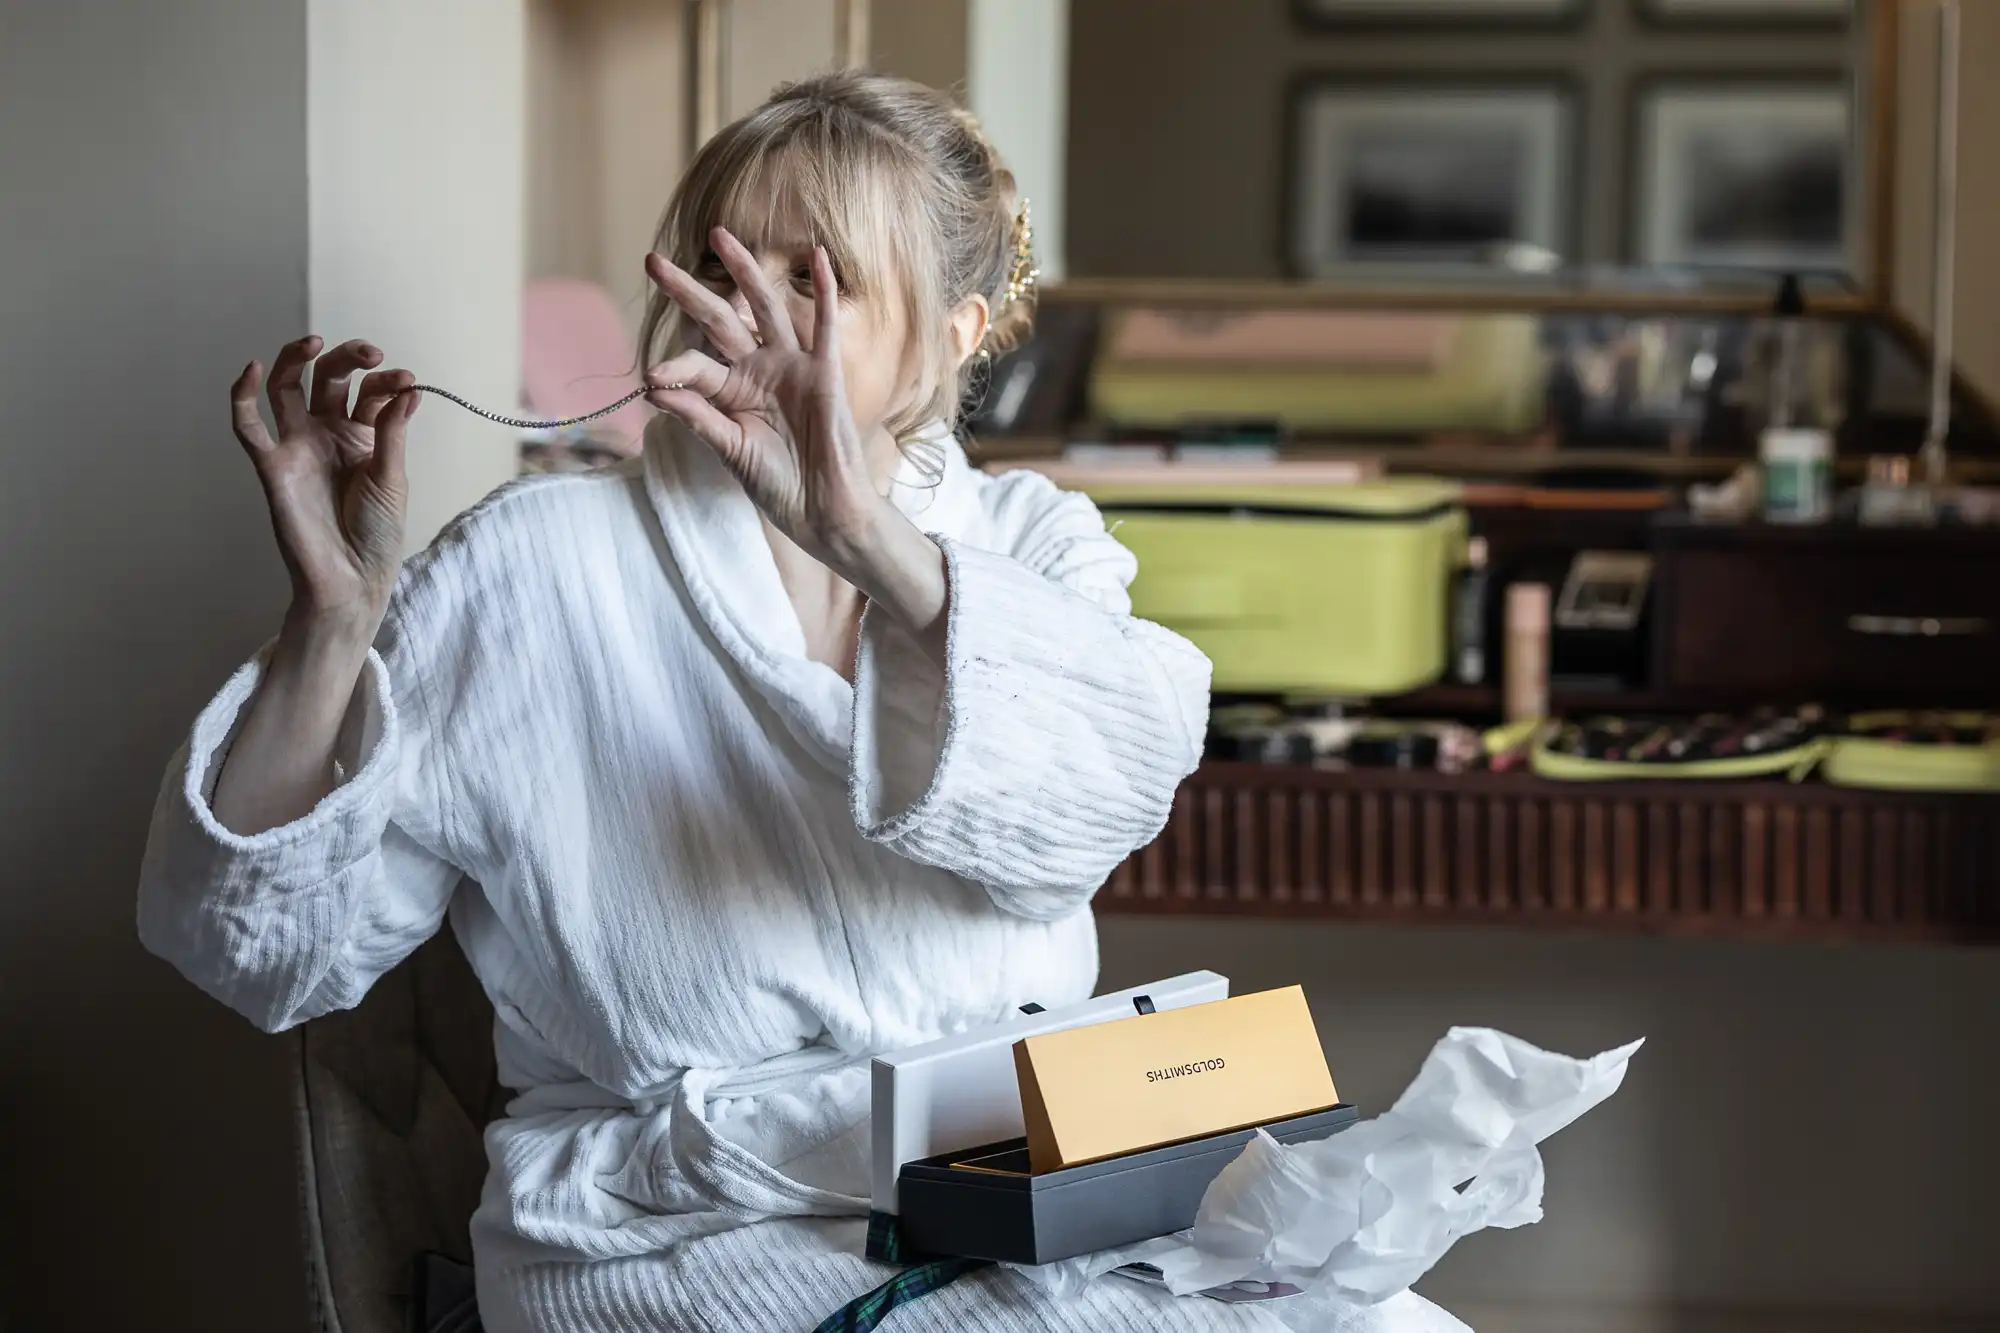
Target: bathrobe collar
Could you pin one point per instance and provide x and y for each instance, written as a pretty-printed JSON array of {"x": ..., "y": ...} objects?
[{"x": 717, "y": 542}]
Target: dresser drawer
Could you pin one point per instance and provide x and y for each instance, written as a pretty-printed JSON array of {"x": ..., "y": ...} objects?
[{"x": 1813, "y": 620}]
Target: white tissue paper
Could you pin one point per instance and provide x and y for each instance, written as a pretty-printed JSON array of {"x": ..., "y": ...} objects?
[{"x": 1358, "y": 1217}]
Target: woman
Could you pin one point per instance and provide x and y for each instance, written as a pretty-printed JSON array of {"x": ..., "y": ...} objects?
[{"x": 796, "y": 741}]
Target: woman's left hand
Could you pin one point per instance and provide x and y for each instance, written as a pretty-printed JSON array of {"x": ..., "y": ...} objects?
[{"x": 777, "y": 413}]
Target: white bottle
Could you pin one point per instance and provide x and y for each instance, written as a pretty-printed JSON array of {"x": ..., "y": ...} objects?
[{"x": 1798, "y": 474}]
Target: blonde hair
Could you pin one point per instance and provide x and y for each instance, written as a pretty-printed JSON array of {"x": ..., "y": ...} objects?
[{"x": 902, "y": 188}]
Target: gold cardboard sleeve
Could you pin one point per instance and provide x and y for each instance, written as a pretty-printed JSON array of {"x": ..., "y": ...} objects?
[{"x": 1112, "y": 1088}]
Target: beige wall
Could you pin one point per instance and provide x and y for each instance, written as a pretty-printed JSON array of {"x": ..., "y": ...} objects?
[
  {"x": 608, "y": 125},
  {"x": 607, "y": 139},
  {"x": 564, "y": 170},
  {"x": 923, "y": 40},
  {"x": 772, "y": 42},
  {"x": 1978, "y": 267}
]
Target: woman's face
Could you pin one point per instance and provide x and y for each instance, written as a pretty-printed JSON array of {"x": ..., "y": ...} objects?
[{"x": 874, "y": 330}]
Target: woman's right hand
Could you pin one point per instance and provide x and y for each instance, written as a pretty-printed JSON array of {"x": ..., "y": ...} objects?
[
  {"x": 334, "y": 480},
  {"x": 334, "y": 475}
]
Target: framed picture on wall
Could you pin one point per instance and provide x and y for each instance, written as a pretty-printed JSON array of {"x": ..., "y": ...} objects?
[
  {"x": 1744, "y": 174},
  {"x": 1747, "y": 13},
  {"x": 1420, "y": 171},
  {"x": 1427, "y": 13}
]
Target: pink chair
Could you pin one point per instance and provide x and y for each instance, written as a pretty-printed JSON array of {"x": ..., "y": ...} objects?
[{"x": 576, "y": 357}]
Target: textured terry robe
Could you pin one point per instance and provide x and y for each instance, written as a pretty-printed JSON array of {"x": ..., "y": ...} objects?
[{"x": 703, "y": 878}]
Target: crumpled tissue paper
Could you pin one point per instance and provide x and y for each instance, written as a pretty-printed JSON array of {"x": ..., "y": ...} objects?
[{"x": 1362, "y": 1215}]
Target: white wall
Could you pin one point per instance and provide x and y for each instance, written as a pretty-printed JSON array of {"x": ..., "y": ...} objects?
[
  {"x": 415, "y": 121},
  {"x": 152, "y": 239},
  {"x": 155, "y": 233},
  {"x": 1017, "y": 83}
]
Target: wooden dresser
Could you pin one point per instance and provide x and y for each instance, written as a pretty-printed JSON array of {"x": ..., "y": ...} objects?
[{"x": 1743, "y": 615}]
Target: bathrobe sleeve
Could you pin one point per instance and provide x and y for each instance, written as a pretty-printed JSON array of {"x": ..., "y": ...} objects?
[
  {"x": 288, "y": 924},
  {"x": 1048, "y": 745}
]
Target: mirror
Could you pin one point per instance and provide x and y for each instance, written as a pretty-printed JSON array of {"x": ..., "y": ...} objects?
[{"x": 1686, "y": 145}]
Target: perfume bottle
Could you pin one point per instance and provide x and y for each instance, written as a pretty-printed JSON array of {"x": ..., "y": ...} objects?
[{"x": 1526, "y": 692}]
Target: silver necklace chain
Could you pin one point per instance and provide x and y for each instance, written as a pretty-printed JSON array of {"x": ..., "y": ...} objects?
[{"x": 524, "y": 423}]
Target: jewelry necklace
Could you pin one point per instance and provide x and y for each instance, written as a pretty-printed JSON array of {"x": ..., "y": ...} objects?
[{"x": 524, "y": 423}]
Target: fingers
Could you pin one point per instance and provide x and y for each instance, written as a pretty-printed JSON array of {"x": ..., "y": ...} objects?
[
  {"x": 772, "y": 320},
  {"x": 682, "y": 386},
  {"x": 826, "y": 309},
  {"x": 377, "y": 388},
  {"x": 726, "y": 333},
  {"x": 700, "y": 416},
  {"x": 243, "y": 415},
  {"x": 288, "y": 397},
  {"x": 332, "y": 372},
  {"x": 694, "y": 370},
  {"x": 385, "y": 465}
]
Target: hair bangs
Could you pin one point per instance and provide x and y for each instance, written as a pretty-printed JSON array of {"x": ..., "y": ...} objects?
[
  {"x": 915, "y": 210},
  {"x": 810, "y": 184}
]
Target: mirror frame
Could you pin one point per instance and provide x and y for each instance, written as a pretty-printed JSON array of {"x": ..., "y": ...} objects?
[
  {"x": 1873, "y": 297},
  {"x": 707, "y": 36}
]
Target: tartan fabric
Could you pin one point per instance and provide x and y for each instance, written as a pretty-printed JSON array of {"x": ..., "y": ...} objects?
[
  {"x": 863, "y": 1313},
  {"x": 887, "y": 1245}
]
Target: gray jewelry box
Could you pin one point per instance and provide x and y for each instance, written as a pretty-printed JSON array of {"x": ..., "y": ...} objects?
[{"x": 1003, "y": 1213}]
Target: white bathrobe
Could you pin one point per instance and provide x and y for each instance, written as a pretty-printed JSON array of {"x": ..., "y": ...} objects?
[{"x": 702, "y": 878}]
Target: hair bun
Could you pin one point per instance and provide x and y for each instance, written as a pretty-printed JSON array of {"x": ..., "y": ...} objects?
[{"x": 1012, "y": 325}]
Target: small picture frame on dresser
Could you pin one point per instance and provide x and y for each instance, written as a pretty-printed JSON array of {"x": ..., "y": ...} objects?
[
  {"x": 1746, "y": 13},
  {"x": 1744, "y": 173},
  {"x": 1450, "y": 15},
  {"x": 1390, "y": 171}
]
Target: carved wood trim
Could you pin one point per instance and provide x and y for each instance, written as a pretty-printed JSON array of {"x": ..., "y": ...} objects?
[{"x": 1757, "y": 859}]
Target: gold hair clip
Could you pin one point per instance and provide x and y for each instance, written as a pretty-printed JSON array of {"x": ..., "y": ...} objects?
[{"x": 1021, "y": 273}]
